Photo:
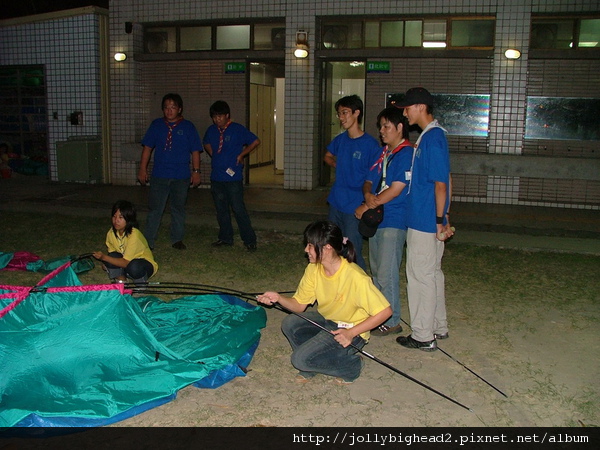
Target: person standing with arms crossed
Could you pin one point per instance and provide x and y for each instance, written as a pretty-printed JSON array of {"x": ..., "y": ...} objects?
[
  {"x": 228, "y": 143},
  {"x": 352, "y": 154},
  {"x": 428, "y": 196},
  {"x": 175, "y": 140}
]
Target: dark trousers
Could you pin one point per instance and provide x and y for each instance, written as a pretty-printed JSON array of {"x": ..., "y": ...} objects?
[
  {"x": 229, "y": 196},
  {"x": 139, "y": 270}
]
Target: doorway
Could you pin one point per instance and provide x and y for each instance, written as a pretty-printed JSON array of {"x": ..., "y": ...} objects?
[
  {"x": 339, "y": 79},
  {"x": 266, "y": 109},
  {"x": 23, "y": 120}
]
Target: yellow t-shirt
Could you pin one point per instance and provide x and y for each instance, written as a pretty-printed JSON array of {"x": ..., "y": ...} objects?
[
  {"x": 349, "y": 296},
  {"x": 131, "y": 247}
]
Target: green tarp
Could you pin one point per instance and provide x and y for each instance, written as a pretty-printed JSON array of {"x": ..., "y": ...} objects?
[{"x": 93, "y": 352}]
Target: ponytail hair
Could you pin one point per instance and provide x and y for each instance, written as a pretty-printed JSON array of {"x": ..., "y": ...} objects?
[{"x": 322, "y": 233}]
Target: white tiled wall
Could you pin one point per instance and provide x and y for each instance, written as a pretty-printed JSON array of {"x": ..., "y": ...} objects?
[
  {"x": 68, "y": 49},
  {"x": 302, "y": 158}
]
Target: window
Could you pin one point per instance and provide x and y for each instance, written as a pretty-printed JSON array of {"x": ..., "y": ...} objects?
[
  {"x": 565, "y": 33},
  {"x": 269, "y": 36},
  {"x": 460, "y": 114},
  {"x": 552, "y": 34},
  {"x": 563, "y": 118},
  {"x": 434, "y": 34},
  {"x": 195, "y": 38},
  {"x": 337, "y": 34},
  {"x": 160, "y": 40},
  {"x": 23, "y": 114},
  {"x": 472, "y": 33},
  {"x": 371, "y": 34},
  {"x": 205, "y": 37},
  {"x": 414, "y": 30},
  {"x": 233, "y": 37},
  {"x": 589, "y": 33},
  {"x": 392, "y": 33}
]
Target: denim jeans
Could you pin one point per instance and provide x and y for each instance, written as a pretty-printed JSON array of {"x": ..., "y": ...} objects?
[
  {"x": 349, "y": 225},
  {"x": 385, "y": 258},
  {"x": 316, "y": 351},
  {"x": 161, "y": 190},
  {"x": 139, "y": 270},
  {"x": 229, "y": 196}
]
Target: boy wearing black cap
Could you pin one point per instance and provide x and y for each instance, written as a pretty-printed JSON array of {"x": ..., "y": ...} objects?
[{"x": 428, "y": 198}]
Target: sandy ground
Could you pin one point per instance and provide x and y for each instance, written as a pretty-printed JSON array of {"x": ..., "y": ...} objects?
[{"x": 545, "y": 381}]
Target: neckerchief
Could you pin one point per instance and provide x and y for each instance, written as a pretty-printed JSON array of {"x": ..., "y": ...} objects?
[
  {"x": 386, "y": 153},
  {"x": 171, "y": 126},
  {"x": 222, "y": 136}
]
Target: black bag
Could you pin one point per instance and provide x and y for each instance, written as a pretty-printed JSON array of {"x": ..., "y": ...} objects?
[{"x": 372, "y": 218}]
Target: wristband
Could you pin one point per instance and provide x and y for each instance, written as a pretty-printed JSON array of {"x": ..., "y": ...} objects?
[
  {"x": 196, "y": 170},
  {"x": 439, "y": 220}
]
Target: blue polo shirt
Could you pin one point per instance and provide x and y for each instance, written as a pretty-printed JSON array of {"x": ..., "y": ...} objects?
[
  {"x": 431, "y": 164},
  {"x": 395, "y": 211},
  {"x": 224, "y": 164},
  {"x": 354, "y": 158},
  {"x": 173, "y": 162}
]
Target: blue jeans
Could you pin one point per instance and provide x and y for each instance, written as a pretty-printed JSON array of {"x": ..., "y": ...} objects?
[
  {"x": 161, "y": 190},
  {"x": 349, "y": 225},
  {"x": 139, "y": 270},
  {"x": 316, "y": 351},
  {"x": 229, "y": 195},
  {"x": 385, "y": 258}
]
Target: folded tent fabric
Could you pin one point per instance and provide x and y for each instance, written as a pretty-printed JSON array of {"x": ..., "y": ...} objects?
[
  {"x": 17, "y": 260},
  {"x": 92, "y": 355}
]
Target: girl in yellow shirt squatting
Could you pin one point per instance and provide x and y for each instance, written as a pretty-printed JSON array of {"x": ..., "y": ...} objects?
[
  {"x": 347, "y": 304},
  {"x": 128, "y": 253}
]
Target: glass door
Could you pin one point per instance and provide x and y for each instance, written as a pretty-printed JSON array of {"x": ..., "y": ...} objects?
[{"x": 339, "y": 79}]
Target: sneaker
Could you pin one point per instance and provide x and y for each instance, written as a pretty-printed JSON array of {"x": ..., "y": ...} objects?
[
  {"x": 409, "y": 342},
  {"x": 384, "y": 330},
  {"x": 251, "y": 247},
  {"x": 440, "y": 336},
  {"x": 221, "y": 243},
  {"x": 342, "y": 382},
  {"x": 179, "y": 245}
]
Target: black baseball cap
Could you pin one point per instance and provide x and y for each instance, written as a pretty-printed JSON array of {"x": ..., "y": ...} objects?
[
  {"x": 369, "y": 221},
  {"x": 415, "y": 96}
]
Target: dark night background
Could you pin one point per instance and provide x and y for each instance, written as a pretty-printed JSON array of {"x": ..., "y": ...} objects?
[{"x": 18, "y": 8}]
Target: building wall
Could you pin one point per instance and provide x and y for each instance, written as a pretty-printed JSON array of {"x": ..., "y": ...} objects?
[
  {"x": 137, "y": 84},
  {"x": 479, "y": 175},
  {"x": 68, "y": 47}
]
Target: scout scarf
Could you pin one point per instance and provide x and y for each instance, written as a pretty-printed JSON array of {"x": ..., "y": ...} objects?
[
  {"x": 386, "y": 153},
  {"x": 222, "y": 136},
  {"x": 171, "y": 126}
]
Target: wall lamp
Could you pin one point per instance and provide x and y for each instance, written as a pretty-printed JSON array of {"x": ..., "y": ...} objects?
[
  {"x": 301, "y": 44},
  {"x": 120, "y": 56},
  {"x": 512, "y": 53}
]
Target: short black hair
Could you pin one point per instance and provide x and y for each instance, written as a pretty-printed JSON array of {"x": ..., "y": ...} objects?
[
  {"x": 219, "y": 107},
  {"x": 353, "y": 102},
  {"x": 395, "y": 116},
  {"x": 129, "y": 214},
  {"x": 176, "y": 98}
]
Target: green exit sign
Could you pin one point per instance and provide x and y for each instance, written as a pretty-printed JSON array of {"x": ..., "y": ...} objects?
[
  {"x": 378, "y": 67},
  {"x": 235, "y": 67}
]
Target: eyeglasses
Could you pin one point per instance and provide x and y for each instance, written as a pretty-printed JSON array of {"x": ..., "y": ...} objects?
[{"x": 343, "y": 112}]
